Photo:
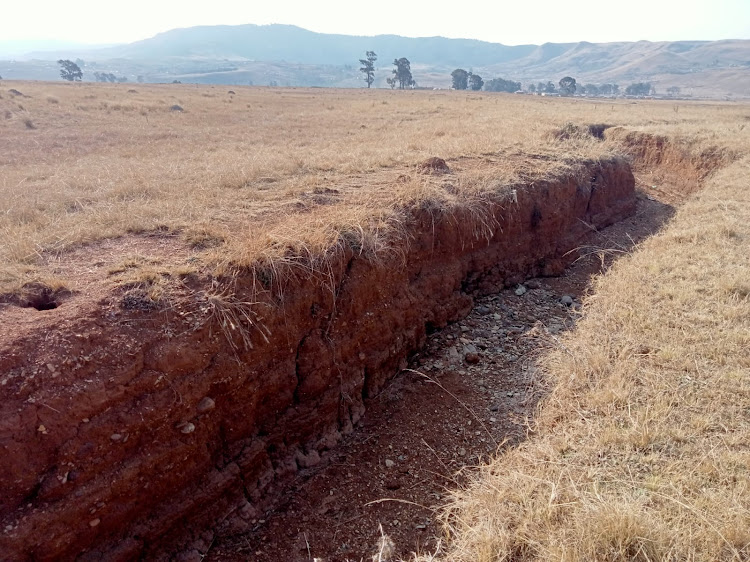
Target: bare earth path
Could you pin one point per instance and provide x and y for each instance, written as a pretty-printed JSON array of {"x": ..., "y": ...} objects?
[{"x": 468, "y": 393}]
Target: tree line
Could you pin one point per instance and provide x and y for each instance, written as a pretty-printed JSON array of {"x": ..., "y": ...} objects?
[{"x": 462, "y": 79}]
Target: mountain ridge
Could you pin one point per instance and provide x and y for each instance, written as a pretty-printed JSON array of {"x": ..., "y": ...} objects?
[{"x": 289, "y": 55}]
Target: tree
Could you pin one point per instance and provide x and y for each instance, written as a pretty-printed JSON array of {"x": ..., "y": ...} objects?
[
  {"x": 475, "y": 82},
  {"x": 673, "y": 91},
  {"x": 402, "y": 73},
  {"x": 368, "y": 67},
  {"x": 501, "y": 85},
  {"x": 391, "y": 82},
  {"x": 532, "y": 88},
  {"x": 549, "y": 88},
  {"x": 105, "y": 77},
  {"x": 591, "y": 89},
  {"x": 460, "y": 79},
  {"x": 70, "y": 71},
  {"x": 568, "y": 86},
  {"x": 639, "y": 89}
]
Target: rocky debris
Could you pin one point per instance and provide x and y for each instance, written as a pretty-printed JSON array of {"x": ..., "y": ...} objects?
[
  {"x": 567, "y": 300},
  {"x": 520, "y": 290},
  {"x": 177, "y": 108}
]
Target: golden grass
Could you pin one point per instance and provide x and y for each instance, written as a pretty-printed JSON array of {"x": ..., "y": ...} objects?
[
  {"x": 642, "y": 449},
  {"x": 106, "y": 159}
]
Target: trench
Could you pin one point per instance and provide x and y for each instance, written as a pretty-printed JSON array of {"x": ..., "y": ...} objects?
[{"x": 164, "y": 430}]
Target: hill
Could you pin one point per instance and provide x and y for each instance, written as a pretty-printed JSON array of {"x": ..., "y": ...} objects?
[{"x": 291, "y": 56}]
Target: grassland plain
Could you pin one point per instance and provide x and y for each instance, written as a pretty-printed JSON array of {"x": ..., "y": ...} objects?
[
  {"x": 641, "y": 449},
  {"x": 236, "y": 174}
]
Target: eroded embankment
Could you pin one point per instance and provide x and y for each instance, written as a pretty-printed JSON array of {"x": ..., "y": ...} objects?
[{"x": 133, "y": 423}]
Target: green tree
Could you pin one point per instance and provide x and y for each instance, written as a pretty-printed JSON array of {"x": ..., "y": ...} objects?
[
  {"x": 70, "y": 71},
  {"x": 402, "y": 73},
  {"x": 475, "y": 82},
  {"x": 460, "y": 79},
  {"x": 502, "y": 85},
  {"x": 568, "y": 86},
  {"x": 368, "y": 67},
  {"x": 591, "y": 89},
  {"x": 639, "y": 89}
]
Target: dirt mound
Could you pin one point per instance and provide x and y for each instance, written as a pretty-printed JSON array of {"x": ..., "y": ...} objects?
[
  {"x": 433, "y": 165},
  {"x": 574, "y": 131}
]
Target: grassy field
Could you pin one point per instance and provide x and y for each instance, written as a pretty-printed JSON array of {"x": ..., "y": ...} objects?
[
  {"x": 236, "y": 171},
  {"x": 641, "y": 450}
]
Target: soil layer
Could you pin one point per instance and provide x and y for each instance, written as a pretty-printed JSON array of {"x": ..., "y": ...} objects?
[{"x": 125, "y": 427}]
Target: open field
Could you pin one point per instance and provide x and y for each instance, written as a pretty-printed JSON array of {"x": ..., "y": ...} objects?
[
  {"x": 82, "y": 163},
  {"x": 639, "y": 450}
]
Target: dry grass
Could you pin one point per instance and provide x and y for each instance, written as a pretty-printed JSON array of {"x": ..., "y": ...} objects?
[
  {"x": 642, "y": 449},
  {"x": 104, "y": 160}
]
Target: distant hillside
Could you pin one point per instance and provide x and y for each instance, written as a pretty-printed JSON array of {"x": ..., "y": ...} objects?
[
  {"x": 288, "y": 43},
  {"x": 291, "y": 56}
]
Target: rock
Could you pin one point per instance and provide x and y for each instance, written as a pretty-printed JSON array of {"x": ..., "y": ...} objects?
[
  {"x": 205, "y": 405},
  {"x": 483, "y": 310},
  {"x": 533, "y": 284},
  {"x": 461, "y": 452},
  {"x": 470, "y": 348},
  {"x": 453, "y": 355},
  {"x": 116, "y": 437},
  {"x": 472, "y": 358},
  {"x": 520, "y": 290},
  {"x": 94, "y": 522},
  {"x": 176, "y": 108},
  {"x": 309, "y": 460},
  {"x": 567, "y": 300},
  {"x": 389, "y": 463},
  {"x": 187, "y": 428}
]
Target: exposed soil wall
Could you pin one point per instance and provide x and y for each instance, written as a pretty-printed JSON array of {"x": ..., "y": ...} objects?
[
  {"x": 130, "y": 425},
  {"x": 677, "y": 162}
]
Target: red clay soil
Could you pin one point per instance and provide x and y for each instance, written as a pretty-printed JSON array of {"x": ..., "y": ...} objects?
[
  {"x": 467, "y": 394},
  {"x": 126, "y": 429}
]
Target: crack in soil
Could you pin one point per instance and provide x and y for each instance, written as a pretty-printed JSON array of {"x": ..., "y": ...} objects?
[{"x": 474, "y": 385}]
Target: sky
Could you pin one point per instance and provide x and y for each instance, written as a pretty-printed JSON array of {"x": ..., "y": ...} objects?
[{"x": 510, "y": 22}]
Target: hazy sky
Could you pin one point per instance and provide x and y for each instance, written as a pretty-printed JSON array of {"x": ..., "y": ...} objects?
[{"x": 510, "y": 22}]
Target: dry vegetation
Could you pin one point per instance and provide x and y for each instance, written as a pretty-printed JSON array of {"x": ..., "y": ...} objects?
[
  {"x": 640, "y": 452},
  {"x": 236, "y": 176},
  {"x": 642, "y": 449}
]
